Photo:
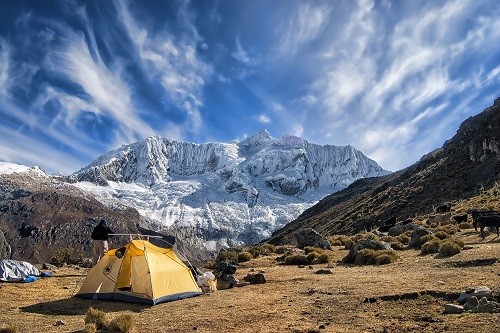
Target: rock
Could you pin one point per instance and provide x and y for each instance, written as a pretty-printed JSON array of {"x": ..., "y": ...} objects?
[
  {"x": 323, "y": 271},
  {"x": 416, "y": 235},
  {"x": 221, "y": 284},
  {"x": 255, "y": 278},
  {"x": 309, "y": 237},
  {"x": 471, "y": 304},
  {"x": 59, "y": 323},
  {"x": 229, "y": 278},
  {"x": 453, "y": 309},
  {"x": 478, "y": 292},
  {"x": 400, "y": 229},
  {"x": 242, "y": 284},
  {"x": 483, "y": 301},
  {"x": 366, "y": 244},
  {"x": 489, "y": 307}
]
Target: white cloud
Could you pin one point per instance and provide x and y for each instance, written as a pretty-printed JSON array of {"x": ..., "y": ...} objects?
[
  {"x": 305, "y": 25},
  {"x": 264, "y": 119},
  {"x": 242, "y": 56},
  {"x": 4, "y": 68},
  {"x": 174, "y": 63}
]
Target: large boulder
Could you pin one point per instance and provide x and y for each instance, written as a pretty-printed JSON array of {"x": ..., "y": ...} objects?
[
  {"x": 366, "y": 244},
  {"x": 400, "y": 229},
  {"x": 478, "y": 292},
  {"x": 310, "y": 237},
  {"x": 417, "y": 234}
]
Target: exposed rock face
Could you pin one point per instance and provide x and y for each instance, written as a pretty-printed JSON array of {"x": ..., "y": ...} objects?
[
  {"x": 309, "y": 237},
  {"x": 465, "y": 164}
]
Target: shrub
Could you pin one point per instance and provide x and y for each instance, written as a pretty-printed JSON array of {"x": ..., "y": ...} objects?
[
  {"x": 465, "y": 225},
  {"x": 449, "y": 249},
  {"x": 281, "y": 250},
  {"x": 450, "y": 229},
  {"x": 225, "y": 255},
  {"x": 459, "y": 242},
  {"x": 310, "y": 249},
  {"x": 269, "y": 248},
  {"x": 96, "y": 317},
  {"x": 403, "y": 239},
  {"x": 386, "y": 257},
  {"x": 335, "y": 241},
  {"x": 89, "y": 328},
  {"x": 375, "y": 257},
  {"x": 397, "y": 245},
  {"x": 67, "y": 256},
  {"x": 257, "y": 251},
  {"x": 121, "y": 324},
  {"x": 244, "y": 256},
  {"x": 322, "y": 259},
  {"x": 9, "y": 329},
  {"x": 311, "y": 256},
  {"x": 349, "y": 243},
  {"x": 431, "y": 246},
  {"x": 427, "y": 238},
  {"x": 296, "y": 259},
  {"x": 441, "y": 234}
]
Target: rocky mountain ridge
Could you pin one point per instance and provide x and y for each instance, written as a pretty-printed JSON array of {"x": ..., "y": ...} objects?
[
  {"x": 223, "y": 194},
  {"x": 465, "y": 165}
]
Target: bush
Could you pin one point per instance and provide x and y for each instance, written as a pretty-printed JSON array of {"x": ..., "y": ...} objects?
[
  {"x": 465, "y": 225},
  {"x": 9, "y": 329},
  {"x": 449, "y": 249},
  {"x": 89, "y": 328},
  {"x": 459, "y": 242},
  {"x": 281, "y": 250},
  {"x": 244, "y": 256},
  {"x": 427, "y": 238},
  {"x": 257, "y": 251},
  {"x": 441, "y": 234},
  {"x": 450, "y": 229},
  {"x": 349, "y": 243},
  {"x": 310, "y": 249},
  {"x": 269, "y": 248},
  {"x": 403, "y": 239},
  {"x": 225, "y": 255},
  {"x": 375, "y": 257},
  {"x": 96, "y": 317},
  {"x": 296, "y": 259},
  {"x": 322, "y": 259},
  {"x": 397, "y": 245},
  {"x": 431, "y": 246},
  {"x": 67, "y": 256},
  {"x": 335, "y": 241},
  {"x": 121, "y": 324}
]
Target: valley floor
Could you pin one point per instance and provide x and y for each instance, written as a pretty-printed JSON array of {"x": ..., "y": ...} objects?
[{"x": 293, "y": 299}]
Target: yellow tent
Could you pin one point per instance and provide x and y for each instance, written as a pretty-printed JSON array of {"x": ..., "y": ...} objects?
[{"x": 139, "y": 272}]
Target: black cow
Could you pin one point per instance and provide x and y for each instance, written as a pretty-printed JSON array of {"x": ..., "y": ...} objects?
[
  {"x": 444, "y": 208},
  {"x": 475, "y": 213},
  {"x": 460, "y": 218},
  {"x": 489, "y": 221}
]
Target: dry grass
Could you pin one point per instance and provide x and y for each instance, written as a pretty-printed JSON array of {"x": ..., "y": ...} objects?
[{"x": 294, "y": 299}]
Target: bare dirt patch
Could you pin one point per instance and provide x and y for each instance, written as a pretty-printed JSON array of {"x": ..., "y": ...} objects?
[{"x": 405, "y": 296}]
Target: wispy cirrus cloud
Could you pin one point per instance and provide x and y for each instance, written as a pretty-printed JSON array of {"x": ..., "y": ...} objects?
[
  {"x": 174, "y": 62},
  {"x": 306, "y": 24},
  {"x": 4, "y": 67}
]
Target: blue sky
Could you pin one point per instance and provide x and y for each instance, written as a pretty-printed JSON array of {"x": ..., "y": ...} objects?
[{"x": 392, "y": 78}]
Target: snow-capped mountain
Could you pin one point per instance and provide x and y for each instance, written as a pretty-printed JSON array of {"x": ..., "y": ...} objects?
[{"x": 223, "y": 193}]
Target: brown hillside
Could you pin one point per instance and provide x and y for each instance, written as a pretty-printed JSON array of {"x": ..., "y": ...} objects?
[{"x": 465, "y": 165}]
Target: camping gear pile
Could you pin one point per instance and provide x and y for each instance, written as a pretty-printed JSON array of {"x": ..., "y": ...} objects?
[{"x": 19, "y": 271}]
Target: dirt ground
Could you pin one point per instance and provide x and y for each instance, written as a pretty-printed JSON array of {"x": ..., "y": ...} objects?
[{"x": 405, "y": 296}]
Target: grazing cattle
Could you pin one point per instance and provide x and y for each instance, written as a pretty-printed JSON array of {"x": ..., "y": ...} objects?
[
  {"x": 489, "y": 221},
  {"x": 460, "y": 218},
  {"x": 475, "y": 213},
  {"x": 388, "y": 224},
  {"x": 444, "y": 208}
]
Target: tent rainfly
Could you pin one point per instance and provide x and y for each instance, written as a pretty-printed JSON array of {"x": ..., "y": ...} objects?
[{"x": 139, "y": 272}]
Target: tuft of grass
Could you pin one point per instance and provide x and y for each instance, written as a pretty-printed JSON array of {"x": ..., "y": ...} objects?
[
  {"x": 244, "y": 256},
  {"x": 449, "y": 249},
  {"x": 296, "y": 259},
  {"x": 348, "y": 243},
  {"x": 431, "y": 246},
  {"x": 121, "y": 324},
  {"x": 96, "y": 317},
  {"x": 441, "y": 234},
  {"x": 465, "y": 225},
  {"x": 375, "y": 257},
  {"x": 310, "y": 249},
  {"x": 9, "y": 329},
  {"x": 269, "y": 248},
  {"x": 257, "y": 251},
  {"x": 90, "y": 328}
]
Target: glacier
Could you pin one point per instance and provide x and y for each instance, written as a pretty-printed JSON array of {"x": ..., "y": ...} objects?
[{"x": 223, "y": 194}]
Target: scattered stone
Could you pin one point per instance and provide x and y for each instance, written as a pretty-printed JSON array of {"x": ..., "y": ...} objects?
[
  {"x": 255, "y": 278},
  {"x": 311, "y": 267},
  {"x": 323, "y": 271},
  {"x": 478, "y": 292},
  {"x": 310, "y": 237},
  {"x": 242, "y": 284},
  {"x": 472, "y": 303},
  {"x": 453, "y": 309},
  {"x": 59, "y": 323}
]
